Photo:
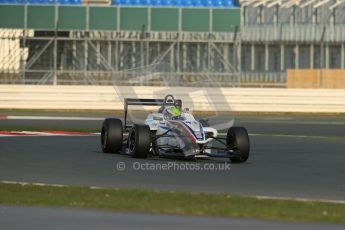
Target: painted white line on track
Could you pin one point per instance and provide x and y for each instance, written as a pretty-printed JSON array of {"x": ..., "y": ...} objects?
[
  {"x": 286, "y": 120},
  {"x": 71, "y": 133},
  {"x": 28, "y": 183},
  {"x": 54, "y": 118},
  {"x": 300, "y": 199},
  {"x": 282, "y": 135},
  {"x": 45, "y": 133},
  {"x": 257, "y": 197},
  {"x": 291, "y": 135},
  {"x": 295, "y": 122}
]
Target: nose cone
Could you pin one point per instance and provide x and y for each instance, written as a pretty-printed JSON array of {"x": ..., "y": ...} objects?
[
  {"x": 196, "y": 129},
  {"x": 195, "y": 125}
]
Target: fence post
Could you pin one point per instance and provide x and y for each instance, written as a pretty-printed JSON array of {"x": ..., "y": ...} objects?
[
  {"x": 55, "y": 45},
  {"x": 322, "y": 56},
  {"x": 24, "y": 42}
]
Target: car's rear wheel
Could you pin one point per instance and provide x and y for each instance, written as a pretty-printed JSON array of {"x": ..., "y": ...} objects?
[
  {"x": 139, "y": 141},
  {"x": 237, "y": 139},
  {"x": 111, "y": 135}
]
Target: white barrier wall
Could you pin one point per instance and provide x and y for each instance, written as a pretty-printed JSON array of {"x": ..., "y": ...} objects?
[
  {"x": 11, "y": 53},
  {"x": 239, "y": 99}
]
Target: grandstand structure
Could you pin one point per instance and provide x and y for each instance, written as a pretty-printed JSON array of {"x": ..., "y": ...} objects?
[
  {"x": 64, "y": 44},
  {"x": 278, "y": 35},
  {"x": 236, "y": 43}
]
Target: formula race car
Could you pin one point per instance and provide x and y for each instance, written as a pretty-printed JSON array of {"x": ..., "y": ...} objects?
[{"x": 171, "y": 132}]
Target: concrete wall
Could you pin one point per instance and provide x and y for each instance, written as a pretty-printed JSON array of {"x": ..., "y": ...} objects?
[{"x": 223, "y": 99}]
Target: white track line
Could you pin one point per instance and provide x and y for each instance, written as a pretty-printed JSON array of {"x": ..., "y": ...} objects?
[
  {"x": 282, "y": 135},
  {"x": 257, "y": 197},
  {"x": 47, "y": 133},
  {"x": 290, "y": 135},
  {"x": 53, "y": 118},
  {"x": 37, "y": 133},
  {"x": 261, "y": 120},
  {"x": 300, "y": 199}
]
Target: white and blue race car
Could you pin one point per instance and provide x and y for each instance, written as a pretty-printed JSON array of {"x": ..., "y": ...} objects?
[{"x": 166, "y": 134}]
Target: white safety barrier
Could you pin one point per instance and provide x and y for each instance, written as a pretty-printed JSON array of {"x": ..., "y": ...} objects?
[{"x": 209, "y": 99}]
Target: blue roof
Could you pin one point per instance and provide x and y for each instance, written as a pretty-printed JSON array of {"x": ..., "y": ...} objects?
[{"x": 147, "y": 3}]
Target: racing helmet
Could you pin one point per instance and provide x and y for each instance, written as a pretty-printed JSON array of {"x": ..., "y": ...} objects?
[
  {"x": 178, "y": 104},
  {"x": 171, "y": 112}
]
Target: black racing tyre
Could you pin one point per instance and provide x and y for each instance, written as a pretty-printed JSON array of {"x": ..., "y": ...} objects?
[
  {"x": 237, "y": 138},
  {"x": 139, "y": 141},
  {"x": 111, "y": 135}
]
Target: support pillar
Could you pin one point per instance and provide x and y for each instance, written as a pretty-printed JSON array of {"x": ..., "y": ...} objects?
[
  {"x": 311, "y": 56},
  {"x": 327, "y": 57},
  {"x": 297, "y": 57},
  {"x": 266, "y": 57},
  {"x": 282, "y": 57},
  {"x": 252, "y": 59},
  {"x": 342, "y": 56}
]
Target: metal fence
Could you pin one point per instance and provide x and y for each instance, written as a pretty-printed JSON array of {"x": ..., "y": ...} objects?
[
  {"x": 96, "y": 58},
  {"x": 32, "y": 57},
  {"x": 294, "y": 33},
  {"x": 103, "y": 58}
]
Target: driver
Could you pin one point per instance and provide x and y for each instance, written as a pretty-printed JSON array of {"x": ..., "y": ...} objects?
[{"x": 172, "y": 112}]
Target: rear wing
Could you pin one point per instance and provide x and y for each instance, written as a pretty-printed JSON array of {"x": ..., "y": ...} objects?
[{"x": 137, "y": 101}]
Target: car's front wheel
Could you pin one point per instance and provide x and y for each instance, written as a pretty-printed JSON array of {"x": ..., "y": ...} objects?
[
  {"x": 139, "y": 141},
  {"x": 237, "y": 139}
]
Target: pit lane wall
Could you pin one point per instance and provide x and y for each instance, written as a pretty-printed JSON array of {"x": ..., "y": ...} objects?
[{"x": 223, "y": 99}]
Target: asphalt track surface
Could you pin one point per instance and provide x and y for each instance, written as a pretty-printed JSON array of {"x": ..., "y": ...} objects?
[
  {"x": 62, "y": 218},
  {"x": 292, "y": 157},
  {"x": 280, "y": 166}
]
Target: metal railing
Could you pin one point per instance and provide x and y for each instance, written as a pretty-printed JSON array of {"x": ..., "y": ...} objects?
[
  {"x": 293, "y": 33},
  {"x": 96, "y": 58}
]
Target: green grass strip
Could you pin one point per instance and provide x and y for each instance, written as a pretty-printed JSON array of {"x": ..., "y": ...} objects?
[{"x": 172, "y": 203}]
